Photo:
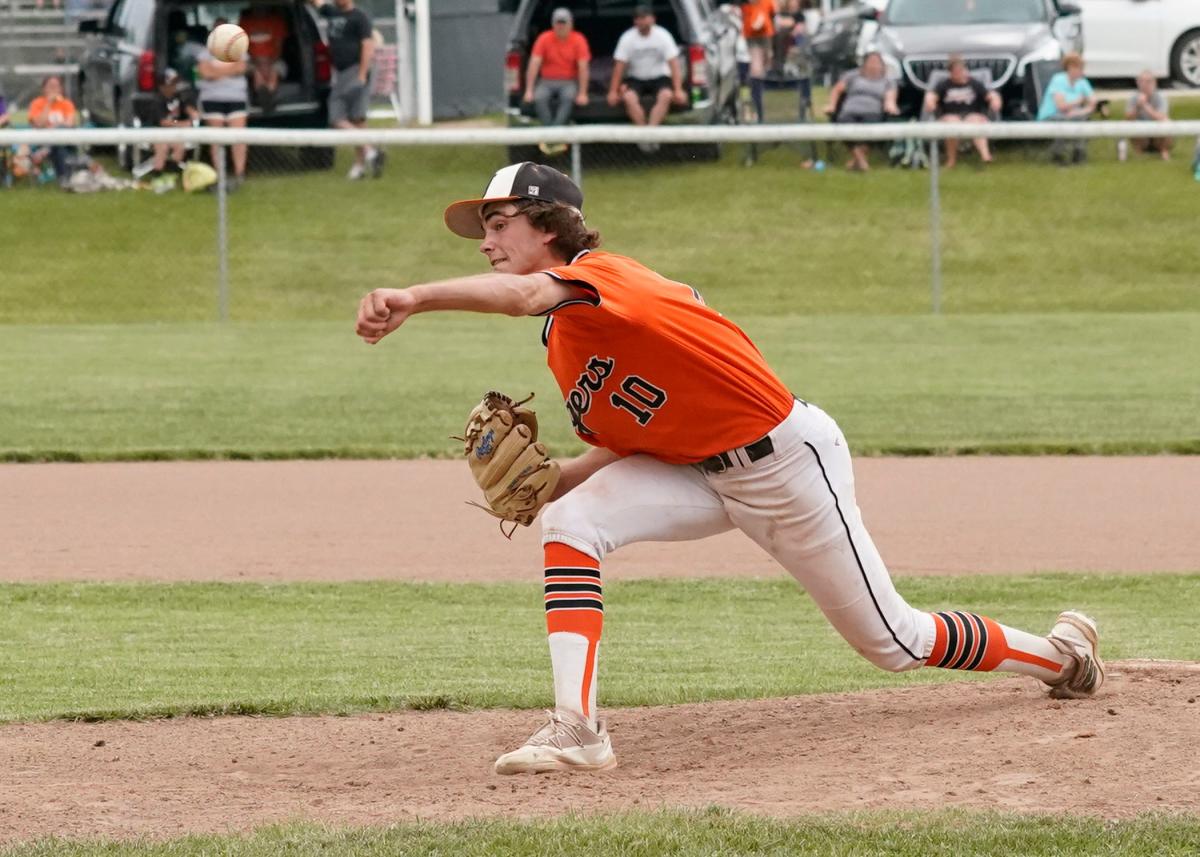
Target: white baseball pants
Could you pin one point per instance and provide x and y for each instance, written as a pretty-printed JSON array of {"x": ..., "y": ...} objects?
[{"x": 797, "y": 503}]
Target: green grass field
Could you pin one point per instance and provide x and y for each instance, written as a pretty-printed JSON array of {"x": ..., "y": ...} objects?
[
  {"x": 1071, "y": 324},
  {"x": 120, "y": 650},
  {"x": 703, "y": 833},
  {"x": 912, "y": 384},
  {"x": 1021, "y": 237},
  {"x": 1065, "y": 310},
  {"x": 109, "y": 650}
]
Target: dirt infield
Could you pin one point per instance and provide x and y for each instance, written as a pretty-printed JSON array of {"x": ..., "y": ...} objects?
[
  {"x": 353, "y": 520},
  {"x": 997, "y": 745},
  {"x": 994, "y": 745}
]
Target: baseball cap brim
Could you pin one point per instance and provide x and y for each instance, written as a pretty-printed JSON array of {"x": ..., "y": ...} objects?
[
  {"x": 463, "y": 217},
  {"x": 526, "y": 180}
]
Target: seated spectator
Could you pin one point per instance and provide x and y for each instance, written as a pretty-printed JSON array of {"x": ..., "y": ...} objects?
[
  {"x": 224, "y": 102},
  {"x": 52, "y": 109},
  {"x": 5, "y": 116},
  {"x": 267, "y": 28},
  {"x": 650, "y": 56},
  {"x": 172, "y": 108},
  {"x": 557, "y": 77},
  {"x": 962, "y": 98},
  {"x": 1149, "y": 105},
  {"x": 1069, "y": 97},
  {"x": 863, "y": 95}
]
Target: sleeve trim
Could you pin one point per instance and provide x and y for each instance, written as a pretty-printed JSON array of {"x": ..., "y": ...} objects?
[{"x": 594, "y": 301}]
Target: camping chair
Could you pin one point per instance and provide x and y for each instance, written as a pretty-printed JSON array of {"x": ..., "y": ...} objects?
[
  {"x": 386, "y": 78},
  {"x": 911, "y": 149},
  {"x": 141, "y": 155}
]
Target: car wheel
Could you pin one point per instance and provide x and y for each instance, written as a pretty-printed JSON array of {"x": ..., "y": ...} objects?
[
  {"x": 727, "y": 116},
  {"x": 317, "y": 157},
  {"x": 1185, "y": 58},
  {"x": 520, "y": 154}
]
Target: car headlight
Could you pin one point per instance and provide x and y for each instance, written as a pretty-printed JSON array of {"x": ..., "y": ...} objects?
[{"x": 1048, "y": 50}]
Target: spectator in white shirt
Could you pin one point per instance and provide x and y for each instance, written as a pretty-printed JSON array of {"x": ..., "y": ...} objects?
[{"x": 647, "y": 66}]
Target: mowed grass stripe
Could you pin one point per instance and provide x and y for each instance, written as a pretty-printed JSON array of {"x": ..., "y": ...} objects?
[
  {"x": 1105, "y": 383},
  {"x": 703, "y": 833},
  {"x": 133, "y": 650}
]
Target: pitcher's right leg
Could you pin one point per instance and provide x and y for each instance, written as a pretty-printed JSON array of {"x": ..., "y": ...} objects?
[{"x": 800, "y": 506}]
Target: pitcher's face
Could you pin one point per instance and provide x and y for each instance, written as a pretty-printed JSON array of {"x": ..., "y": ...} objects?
[{"x": 511, "y": 243}]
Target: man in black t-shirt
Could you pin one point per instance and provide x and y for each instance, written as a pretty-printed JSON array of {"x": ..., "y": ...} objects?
[
  {"x": 173, "y": 106},
  {"x": 351, "y": 48},
  {"x": 962, "y": 98}
]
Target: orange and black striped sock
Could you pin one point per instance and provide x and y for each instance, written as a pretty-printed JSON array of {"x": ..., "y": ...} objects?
[
  {"x": 574, "y": 620},
  {"x": 968, "y": 641}
]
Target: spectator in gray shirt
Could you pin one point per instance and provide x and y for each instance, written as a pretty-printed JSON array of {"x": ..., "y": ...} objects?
[
  {"x": 224, "y": 103},
  {"x": 865, "y": 95},
  {"x": 1149, "y": 105},
  {"x": 352, "y": 52}
]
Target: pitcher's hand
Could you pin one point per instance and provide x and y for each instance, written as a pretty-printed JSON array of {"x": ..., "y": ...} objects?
[{"x": 382, "y": 311}]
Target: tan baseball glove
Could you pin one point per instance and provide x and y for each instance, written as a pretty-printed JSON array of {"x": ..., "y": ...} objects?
[{"x": 512, "y": 468}]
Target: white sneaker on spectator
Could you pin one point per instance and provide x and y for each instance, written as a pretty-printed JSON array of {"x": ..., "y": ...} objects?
[{"x": 356, "y": 172}]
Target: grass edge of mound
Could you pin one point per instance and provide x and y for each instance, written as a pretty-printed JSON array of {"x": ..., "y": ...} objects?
[
  {"x": 703, "y": 831},
  {"x": 54, "y": 456}
]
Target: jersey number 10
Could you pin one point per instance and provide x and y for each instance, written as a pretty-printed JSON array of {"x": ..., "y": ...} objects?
[{"x": 640, "y": 392}]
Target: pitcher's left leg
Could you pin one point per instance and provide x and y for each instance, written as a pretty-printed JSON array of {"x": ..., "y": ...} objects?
[
  {"x": 801, "y": 508},
  {"x": 635, "y": 499}
]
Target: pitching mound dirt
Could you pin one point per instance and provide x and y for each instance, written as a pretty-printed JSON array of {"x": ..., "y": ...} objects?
[
  {"x": 407, "y": 520},
  {"x": 993, "y": 745}
]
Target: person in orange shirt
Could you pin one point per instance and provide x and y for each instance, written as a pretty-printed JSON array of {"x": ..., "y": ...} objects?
[
  {"x": 560, "y": 58},
  {"x": 266, "y": 27},
  {"x": 758, "y": 27},
  {"x": 693, "y": 434},
  {"x": 52, "y": 109}
]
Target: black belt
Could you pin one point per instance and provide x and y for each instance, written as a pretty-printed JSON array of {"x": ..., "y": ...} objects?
[{"x": 722, "y": 461}]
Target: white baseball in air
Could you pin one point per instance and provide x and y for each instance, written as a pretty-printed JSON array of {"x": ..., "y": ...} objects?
[{"x": 228, "y": 43}]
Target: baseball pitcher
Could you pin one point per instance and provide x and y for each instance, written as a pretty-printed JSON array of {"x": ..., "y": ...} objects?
[{"x": 692, "y": 434}]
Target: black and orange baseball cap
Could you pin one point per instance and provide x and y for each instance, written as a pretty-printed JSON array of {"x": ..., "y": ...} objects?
[{"x": 526, "y": 180}]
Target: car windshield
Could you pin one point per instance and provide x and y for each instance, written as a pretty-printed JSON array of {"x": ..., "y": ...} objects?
[{"x": 922, "y": 13}]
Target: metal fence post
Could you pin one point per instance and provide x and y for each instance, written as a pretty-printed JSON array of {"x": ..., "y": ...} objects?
[
  {"x": 577, "y": 164},
  {"x": 935, "y": 225},
  {"x": 222, "y": 240}
]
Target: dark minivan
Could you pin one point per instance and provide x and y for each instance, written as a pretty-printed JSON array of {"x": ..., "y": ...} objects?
[
  {"x": 707, "y": 39},
  {"x": 127, "y": 50}
]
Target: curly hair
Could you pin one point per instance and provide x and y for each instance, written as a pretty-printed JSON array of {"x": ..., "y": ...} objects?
[{"x": 566, "y": 223}]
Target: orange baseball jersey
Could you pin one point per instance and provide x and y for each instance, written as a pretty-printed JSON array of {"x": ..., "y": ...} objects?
[
  {"x": 646, "y": 367},
  {"x": 758, "y": 19},
  {"x": 267, "y": 28}
]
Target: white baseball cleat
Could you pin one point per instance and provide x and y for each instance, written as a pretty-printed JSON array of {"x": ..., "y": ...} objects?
[
  {"x": 1075, "y": 635},
  {"x": 565, "y": 743}
]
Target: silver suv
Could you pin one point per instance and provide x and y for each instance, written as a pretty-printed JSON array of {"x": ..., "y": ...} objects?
[{"x": 1001, "y": 40}]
